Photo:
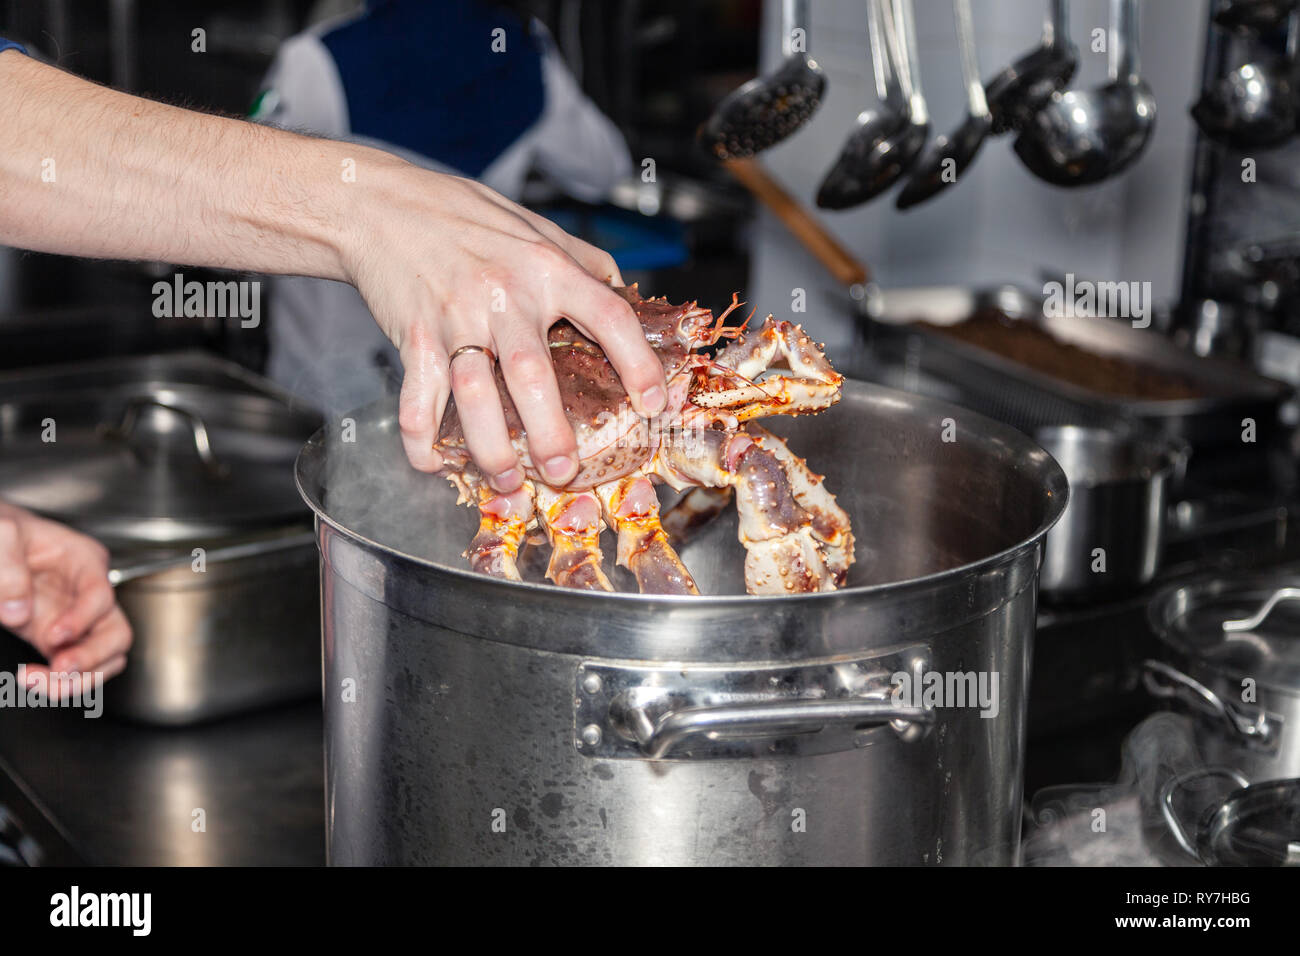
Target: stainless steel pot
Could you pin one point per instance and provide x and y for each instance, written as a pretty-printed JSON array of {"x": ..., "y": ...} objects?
[
  {"x": 1235, "y": 662},
  {"x": 223, "y": 640},
  {"x": 1110, "y": 538},
  {"x": 182, "y": 465},
  {"x": 471, "y": 720}
]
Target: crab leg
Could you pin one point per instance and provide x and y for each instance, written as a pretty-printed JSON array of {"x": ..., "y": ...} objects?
[
  {"x": 813, "y": 386},
  {"x": 830, "y": 522},
  {"x": 532, "y": 561},
  {"x": 693, "y": 510},
  {"x": 783, "y": 555},
  {"x": 503, "y": 521},
  {"x": 572, "y": 522},
  {"x": 776, "y": 394},
  {"x": 632, "y": 509}
]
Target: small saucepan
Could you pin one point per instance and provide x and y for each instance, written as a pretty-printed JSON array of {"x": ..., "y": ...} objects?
[
  {"x": 1234, "y": 661},
  {"x": 1109, "y": 540}
]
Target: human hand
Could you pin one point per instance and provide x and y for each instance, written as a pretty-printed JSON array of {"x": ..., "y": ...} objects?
[
  {"x": 54, "y": 593},
  {"x": 445, "y": 262}
]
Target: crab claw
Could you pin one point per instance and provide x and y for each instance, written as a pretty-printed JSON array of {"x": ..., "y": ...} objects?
[{"x": 736, "y": 385}]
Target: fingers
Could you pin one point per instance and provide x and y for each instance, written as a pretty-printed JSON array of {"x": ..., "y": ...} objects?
[
  {"x": 530, "y": 376},
  {"x": 593, "y": 259},
  {"x": 94, "y": 600},
  {"x": 483, "y": 422},
  {"x": 423, "y": 400},
  {"x": 108, "y": 670},
  {"x": 15, "y": 578},
  {"x": 110, "y": 639},
  {"x": 604, "y": 316},
  {"x": 114, "y": 667}
]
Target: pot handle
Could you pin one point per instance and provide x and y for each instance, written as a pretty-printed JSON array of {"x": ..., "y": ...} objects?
[
  {"x": 657, "y": 738},
  {"x": 1250, "y": 724},
  {"x": 122, "y": 573},
  {"x": 1256, "y": 619},
  {"x": 1177, "y": 782},
  {"x": 198, "y": 429}
]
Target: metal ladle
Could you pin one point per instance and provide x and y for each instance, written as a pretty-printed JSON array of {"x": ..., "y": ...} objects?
[
  {"x": 1254, "y": 16},
  {"x": 1085, "y": 136},
  {"x": 886, "y": 142},
  {"x": 949, "y": 155},
  {"x": 1253, "y": 106},
  {"x": 1021, "y": 90},
  {"x": 767, "y": 109}
]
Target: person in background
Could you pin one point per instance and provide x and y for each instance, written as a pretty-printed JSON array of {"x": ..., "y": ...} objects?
[
  {"x": 419, "y": 78},
  {"x": 89, "y": 171}
]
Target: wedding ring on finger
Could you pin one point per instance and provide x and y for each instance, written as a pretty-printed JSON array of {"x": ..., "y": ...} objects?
[{"x": 468, "y": 349}]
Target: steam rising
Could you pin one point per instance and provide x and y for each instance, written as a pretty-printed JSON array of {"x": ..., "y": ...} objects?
[
  {"x": 368, "y": 485},
  {"x": 1063, "y": 825}
]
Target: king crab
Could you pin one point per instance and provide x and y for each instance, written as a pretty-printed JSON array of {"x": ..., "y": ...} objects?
[{"x": 797, "y": 539}]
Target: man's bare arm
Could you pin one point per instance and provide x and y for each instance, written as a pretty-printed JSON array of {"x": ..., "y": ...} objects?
[{"x": 89, "y": 171}]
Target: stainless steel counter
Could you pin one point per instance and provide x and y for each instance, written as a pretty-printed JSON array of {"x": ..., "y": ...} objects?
[{"x": 128, "y": 794}]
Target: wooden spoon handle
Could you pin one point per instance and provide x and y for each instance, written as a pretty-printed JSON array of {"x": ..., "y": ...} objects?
[{"x": 812, "y": 235}]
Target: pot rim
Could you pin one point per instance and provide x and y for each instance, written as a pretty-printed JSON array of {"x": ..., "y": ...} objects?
[{"x": 1056, "y": 493}]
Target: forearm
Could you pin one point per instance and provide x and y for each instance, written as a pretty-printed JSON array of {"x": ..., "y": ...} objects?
[
  {"x": 442, "y": 262},
  {"x": 89, "y": 171}
]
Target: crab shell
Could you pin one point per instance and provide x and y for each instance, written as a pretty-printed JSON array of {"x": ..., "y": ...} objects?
[{"x": 612, "y": 439}]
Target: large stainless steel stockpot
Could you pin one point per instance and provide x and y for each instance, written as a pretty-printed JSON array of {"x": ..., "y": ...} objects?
[{"x": 470, "y": 720}]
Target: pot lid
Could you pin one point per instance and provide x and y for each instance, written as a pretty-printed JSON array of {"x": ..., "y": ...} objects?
[
  {"x": 163, "y": 470},
  {"x": 1244, "y": 626}
]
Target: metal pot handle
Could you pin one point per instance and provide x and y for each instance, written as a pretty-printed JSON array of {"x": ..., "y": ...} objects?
[
  {"x": 1168, "y": 683},
  {"x": 1180, "y": 780},
  {"x": 658, "y": 738},
  {"x": 121, "y": 573},
  {"x": 1256, "y": 619},
  {"x": 125, "y": 430}
]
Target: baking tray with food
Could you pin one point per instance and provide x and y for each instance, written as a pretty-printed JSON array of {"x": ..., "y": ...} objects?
[{"x": 1090, "y": 363}]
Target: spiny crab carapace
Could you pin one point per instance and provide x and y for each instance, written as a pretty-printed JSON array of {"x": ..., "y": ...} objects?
[{"x": 706, "y": 443}]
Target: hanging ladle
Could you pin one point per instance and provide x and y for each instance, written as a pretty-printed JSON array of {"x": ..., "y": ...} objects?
[
  {"x": 949, "y": 155},
  {"x": 767, "y": 109},
  {"x": 887, "y": 141},
  {"x": 1021, "y": 90},
  {"x": 1253, "y": 16},
  {"x": 1253, "y": 106},
  {"x": 1085, "y": 136}
]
